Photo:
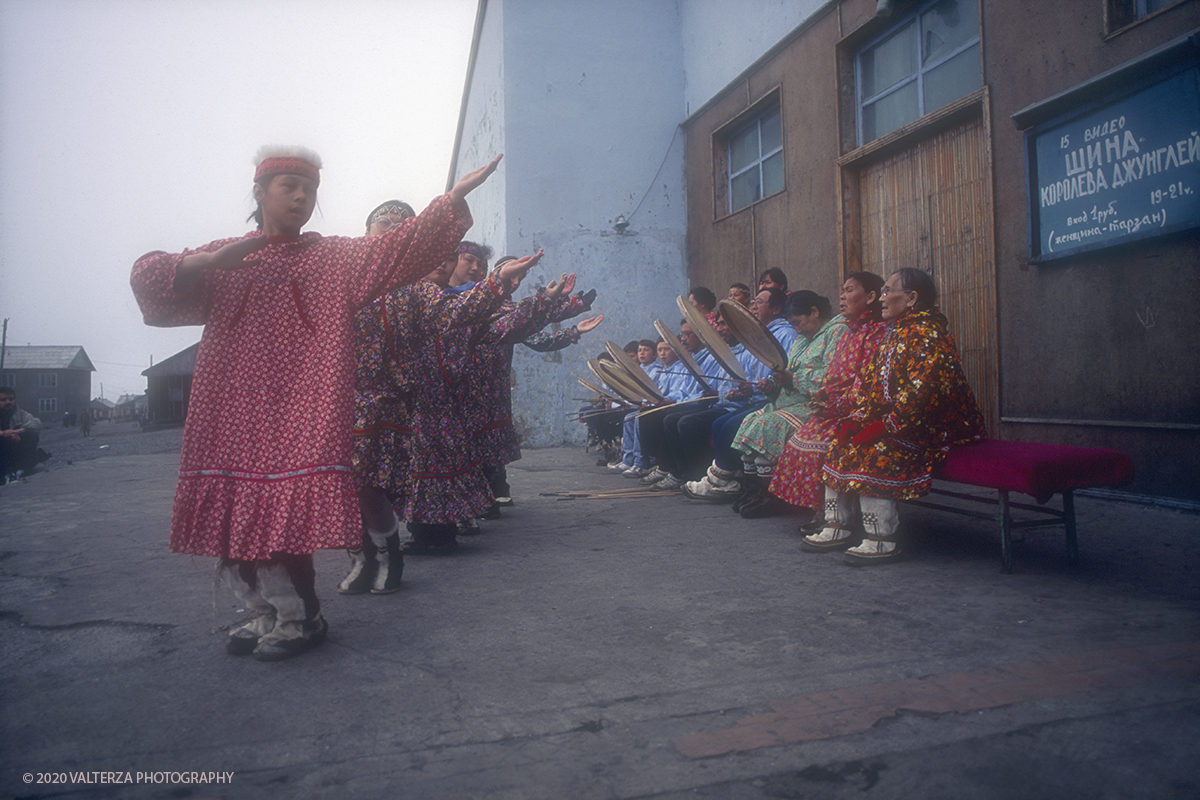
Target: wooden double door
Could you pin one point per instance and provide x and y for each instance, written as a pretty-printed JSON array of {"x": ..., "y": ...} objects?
[{"x": 929, "y": 206}]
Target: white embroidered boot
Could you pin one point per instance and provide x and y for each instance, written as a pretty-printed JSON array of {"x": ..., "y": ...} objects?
[
  {"x": 880, "y": 521},
  {"x": 838, "y": 533}
]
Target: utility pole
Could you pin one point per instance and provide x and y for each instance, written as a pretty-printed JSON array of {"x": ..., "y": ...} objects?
[{"x": 3, "y": 344}]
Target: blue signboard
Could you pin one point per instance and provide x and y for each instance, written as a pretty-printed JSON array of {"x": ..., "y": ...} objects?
[{"x": 1121, "y": 170}]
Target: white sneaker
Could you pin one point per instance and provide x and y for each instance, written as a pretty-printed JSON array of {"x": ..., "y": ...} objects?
[
  {"x": 618, "y": 466},
  {"x": 656, "y": 475},
  {"x": 669, "y": 484},
  {"x": 636, "y": 472}
]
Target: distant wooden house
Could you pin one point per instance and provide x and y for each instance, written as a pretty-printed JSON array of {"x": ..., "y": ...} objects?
[
  {"x": 130, "y": 406},
  {"x": 102, "y": 408},
  {"x": 169, "y": 387},
  {"x": 50, "y": 380}
]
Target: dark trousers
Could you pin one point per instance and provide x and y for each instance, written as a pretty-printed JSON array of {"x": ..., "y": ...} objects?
[
  {"x": 497, "y": 478},
  {"x": 20, "y": 455},
  {"x": 690, "y": 441},
  {"x": 434, "y": 533},
  {"x": 723, "y": 432},
  {"x": 652, "y": 432}
]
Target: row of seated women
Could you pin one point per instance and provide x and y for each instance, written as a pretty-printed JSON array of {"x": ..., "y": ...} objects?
[{"x": 868, "y": 406}]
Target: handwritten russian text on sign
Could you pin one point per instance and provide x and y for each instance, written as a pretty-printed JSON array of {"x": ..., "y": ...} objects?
[{"x": 1128, "y": 170}]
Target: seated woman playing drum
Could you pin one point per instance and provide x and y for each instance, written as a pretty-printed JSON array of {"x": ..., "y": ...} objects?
[
  {"x": 913, "y": 404},
  {"x": 798, "y": 475},
  {"x": 761, "y": 438}
]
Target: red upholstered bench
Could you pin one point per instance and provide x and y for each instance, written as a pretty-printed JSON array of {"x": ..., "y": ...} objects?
[{"x": 1035, "y": 469}]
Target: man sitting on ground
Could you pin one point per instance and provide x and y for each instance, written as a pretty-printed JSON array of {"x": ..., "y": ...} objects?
[{"x": 19, "y": 434}]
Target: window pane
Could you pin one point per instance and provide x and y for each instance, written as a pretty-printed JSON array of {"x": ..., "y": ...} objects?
[
  {"x": 947, "y": 26},
  {"x": 772, "y": 133},
  {"x": 743, "y": 148},
  {"x": 772, "y": 172},
  {"x": 888, "y": 113},
  {"x": 890, "y": 61},
  {"x": 1158, "y": 5},
  {"x": 744, "y": 189},
  {"x": 956, "y": 78}
]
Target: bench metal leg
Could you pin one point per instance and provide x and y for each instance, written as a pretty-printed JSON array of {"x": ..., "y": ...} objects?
[
  {"x": 1006, "y": 561},
  {"x": 1068, "y": 500}
]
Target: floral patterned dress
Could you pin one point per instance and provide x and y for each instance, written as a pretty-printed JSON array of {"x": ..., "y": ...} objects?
[
  {"x": 911, "y": 407},
  {"x": 491, "y": 368},
  {"x": 798, "y": 472},
  {"x": 400, "y": 358},
  {"x": 766, "y": 431},
  {"x": 265, "y": 466}
]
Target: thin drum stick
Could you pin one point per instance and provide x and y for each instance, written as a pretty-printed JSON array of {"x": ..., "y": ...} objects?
[
  {"x": 672, "y": 405},
  {"x": 709, "y": 377}
]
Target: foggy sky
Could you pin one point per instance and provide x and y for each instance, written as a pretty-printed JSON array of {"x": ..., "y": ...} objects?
[{"x": 129, "y": 125}]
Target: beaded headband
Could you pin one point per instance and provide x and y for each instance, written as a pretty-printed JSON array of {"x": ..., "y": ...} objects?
[
  {"x": 390, "y": 207},
  {"x": 289, "y": 165}
]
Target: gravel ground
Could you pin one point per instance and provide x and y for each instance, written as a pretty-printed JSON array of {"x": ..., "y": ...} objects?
[{"x": 68, "y": 445}]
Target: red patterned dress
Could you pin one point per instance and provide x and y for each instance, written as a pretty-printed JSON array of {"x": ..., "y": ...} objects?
[
  {"x": 915, "y": 387},
  {"x": 409, "y": 433},
  {"x": 798, "y": 474},
  {"x": 265, "y": 466}
]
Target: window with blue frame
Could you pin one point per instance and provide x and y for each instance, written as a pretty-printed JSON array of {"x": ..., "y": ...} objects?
[{"x": 926, "y": 60}]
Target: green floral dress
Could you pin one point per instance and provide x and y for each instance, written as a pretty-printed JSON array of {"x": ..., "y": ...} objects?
[{"x": 766, "y": 431}]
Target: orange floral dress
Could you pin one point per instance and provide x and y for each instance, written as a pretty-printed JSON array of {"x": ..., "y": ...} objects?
[{"x": 912, "y": 405}]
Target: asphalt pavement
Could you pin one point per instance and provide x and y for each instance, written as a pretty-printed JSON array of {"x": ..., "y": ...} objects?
[{"x": 631, "y": 647}]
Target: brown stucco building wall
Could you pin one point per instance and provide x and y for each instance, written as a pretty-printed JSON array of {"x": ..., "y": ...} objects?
[
  {"x": 1099, "y": 350},
  {"x": 1105, "y": 337},
  {"x": 792, "y": 230}
]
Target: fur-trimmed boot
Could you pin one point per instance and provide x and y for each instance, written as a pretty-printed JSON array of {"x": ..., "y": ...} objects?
[
  {"x": 239, "y": 576},
  {"x": 717, "y": 486},
  {"x": 391, "y": 565},
  {"x": 364, "y": 563},
  {"x": 299, "y": 626},
  {"x": 752, "y": 489},
  {"x": 765, "y": 504}
]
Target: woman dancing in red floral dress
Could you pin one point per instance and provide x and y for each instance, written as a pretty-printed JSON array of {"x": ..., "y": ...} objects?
[{"x": 264, "y": 477}]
